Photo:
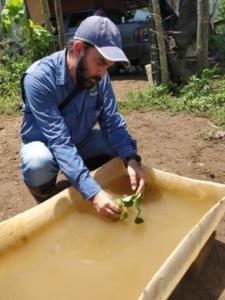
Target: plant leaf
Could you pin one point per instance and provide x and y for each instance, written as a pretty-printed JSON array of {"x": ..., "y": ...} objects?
[
  {"x": 138, "y": 220},
  {"x": 119, "y": 202},
  {"x": 129, "y": 201},
  {"x": 137, "y": 204},
  {"x": 124, "y": 215}
]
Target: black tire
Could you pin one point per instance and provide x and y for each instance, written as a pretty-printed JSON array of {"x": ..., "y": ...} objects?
[{"x": 113, "y": 70}]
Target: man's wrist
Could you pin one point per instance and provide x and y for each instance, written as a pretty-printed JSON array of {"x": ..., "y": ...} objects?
[{"x": 133, "y": 156}]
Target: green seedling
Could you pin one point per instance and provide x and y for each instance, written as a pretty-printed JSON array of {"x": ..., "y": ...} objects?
[{"x": 133, "y": 200}]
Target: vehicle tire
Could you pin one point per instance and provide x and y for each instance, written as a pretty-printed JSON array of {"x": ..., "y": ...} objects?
[{"x": 114, "y": 69}]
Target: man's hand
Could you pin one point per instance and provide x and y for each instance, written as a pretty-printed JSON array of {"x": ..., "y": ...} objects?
[
  {"x": 137, "y": 175},
  {"x": 105, "y": 205}
]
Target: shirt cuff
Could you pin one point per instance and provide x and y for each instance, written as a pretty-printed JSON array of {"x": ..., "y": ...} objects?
[
  {"x": 125, "y": 151},
  {"x": 88, "y": 188}
]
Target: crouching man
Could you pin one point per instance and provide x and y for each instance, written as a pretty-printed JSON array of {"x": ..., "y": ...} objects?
[{"x": 65, "y": 95}]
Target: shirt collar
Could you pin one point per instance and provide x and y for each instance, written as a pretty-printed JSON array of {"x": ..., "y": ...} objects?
[{"x": 62, "y": 74}]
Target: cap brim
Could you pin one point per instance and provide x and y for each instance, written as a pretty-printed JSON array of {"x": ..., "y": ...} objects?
[{"x": 113, "y": 54}]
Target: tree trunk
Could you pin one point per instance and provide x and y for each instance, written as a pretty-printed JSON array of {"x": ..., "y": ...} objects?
[
  {"x": 202, "y": 34},
  {"x": 154, "y": 55},
  {"x": 46, "y": 15},
  {"x": 161, "y": 41},
  {"x": 59, "y": 18},
  {"x": 2, "y": 3}
]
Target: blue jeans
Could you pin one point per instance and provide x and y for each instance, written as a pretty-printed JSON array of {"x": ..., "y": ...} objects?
[{"x": 38, "y": 165}]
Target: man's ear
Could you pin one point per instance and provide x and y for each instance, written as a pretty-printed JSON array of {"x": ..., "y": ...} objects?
[{"x": 78, "y": 47}]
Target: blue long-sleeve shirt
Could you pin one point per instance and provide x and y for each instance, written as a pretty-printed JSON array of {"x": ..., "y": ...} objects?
[{"x": 46, "y": 84}]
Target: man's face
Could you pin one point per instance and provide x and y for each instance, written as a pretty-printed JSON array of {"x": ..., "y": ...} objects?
[{"x": 90, "y": 68}]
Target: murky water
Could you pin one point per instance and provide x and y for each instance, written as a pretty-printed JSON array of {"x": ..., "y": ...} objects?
[{"x": 83, "y": 256}]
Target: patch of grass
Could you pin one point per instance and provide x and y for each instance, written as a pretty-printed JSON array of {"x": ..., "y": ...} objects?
[
  {"x": 204, "y": 96},
  {"x": 11, "y": 69},
  {"x": 213, "y": 134},
  {"x": 157, "y": 97},
  {"x": 9, "y": 107}
]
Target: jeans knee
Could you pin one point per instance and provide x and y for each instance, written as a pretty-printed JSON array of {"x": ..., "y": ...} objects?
[{"x": 37, "y": 164}]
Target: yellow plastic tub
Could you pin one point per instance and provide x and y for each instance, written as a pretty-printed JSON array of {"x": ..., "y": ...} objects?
[{"x": 62, "y": 249}]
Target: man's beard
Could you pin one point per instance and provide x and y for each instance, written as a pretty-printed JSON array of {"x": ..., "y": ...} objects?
[{"x": 82, "y": 80}]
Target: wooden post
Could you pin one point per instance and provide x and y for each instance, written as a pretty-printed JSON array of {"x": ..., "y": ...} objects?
[
  {"x": 2, "y": 4},
  {"x": 154, "y": 54},
  {"x": 202, "y": 34},
  {"x": 46, "y": 15},
  {"x": 161, "y": 41},
  {"x": 59, "y": 18},
  {"x": 27, "y": 13},
  {"x": 148, "y": 69}
]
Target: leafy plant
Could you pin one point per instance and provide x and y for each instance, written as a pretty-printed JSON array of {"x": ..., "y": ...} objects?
[
  {"x": 33, "y": 40},
  {"x": 220, "y": 15},
  {"x": 133, "y": 200},
  {"x": 37, "y": 40},
  {"x": 217, "y": 45},
  {"x": 13, "y": 12},
  {"x": 203, "y": 96},
  {"x": 23, "y": 42},
  {"x": 11, "y": 69},
  {"x": 199, "y": 86}
]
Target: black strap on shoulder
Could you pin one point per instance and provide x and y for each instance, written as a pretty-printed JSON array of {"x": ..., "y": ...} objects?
[
  {"x": 22, "y": 87},
  {"x": 65, "y": 102},
  {"x": 68, "y": 99}
]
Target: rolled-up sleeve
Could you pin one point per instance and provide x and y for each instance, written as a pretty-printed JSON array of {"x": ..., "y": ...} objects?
[{"x": 40, "y": 95}]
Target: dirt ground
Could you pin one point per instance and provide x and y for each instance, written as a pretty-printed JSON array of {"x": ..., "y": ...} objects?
[{"x": 170, "y": 142}]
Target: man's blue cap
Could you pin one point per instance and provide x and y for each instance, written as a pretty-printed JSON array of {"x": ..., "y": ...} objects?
[{"x": 104, "y": 35}]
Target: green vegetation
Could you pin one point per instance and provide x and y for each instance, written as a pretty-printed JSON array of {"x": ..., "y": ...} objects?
[
  {"x": 220, "y": 16},
  {"x": 130, "y": 201},
  {"x": 11, "y": 69},
  {"x": 22, "y": 43},
  {"x": 217, "y": 33},
  {"x": 203, "y": 96},
  {"x": 21, "y": 34}
]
